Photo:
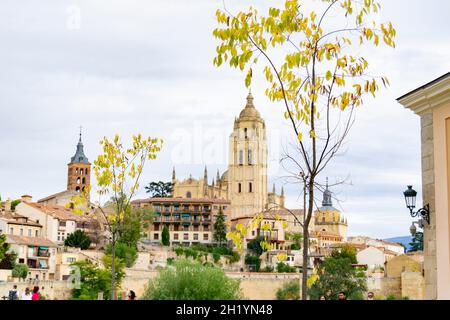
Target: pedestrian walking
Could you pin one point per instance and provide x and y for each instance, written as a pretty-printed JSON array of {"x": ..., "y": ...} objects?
[
  {"x": 12, "y": 295},
  {"x": 27, "y": 294},
  {"x": 370, "y": 295},
  {"x": 36, "y": 295},
  {"x": 131, "y": 295}
]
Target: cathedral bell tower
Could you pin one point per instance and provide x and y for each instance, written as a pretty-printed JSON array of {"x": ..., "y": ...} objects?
[
  {"x": 247, "y": 170},
  {"x": 79, "y": 170}
]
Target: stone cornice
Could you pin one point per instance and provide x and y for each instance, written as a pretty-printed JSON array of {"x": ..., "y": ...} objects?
[{"x": 429, "y": 96}]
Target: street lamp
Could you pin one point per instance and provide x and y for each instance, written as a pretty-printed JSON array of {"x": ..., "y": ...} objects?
[{"x": 410, "y": 199}]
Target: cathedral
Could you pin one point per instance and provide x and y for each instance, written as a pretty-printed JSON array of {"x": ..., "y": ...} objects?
[{"x": 245, "y": 182}]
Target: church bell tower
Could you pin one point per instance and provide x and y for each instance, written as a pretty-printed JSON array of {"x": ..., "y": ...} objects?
[
  {"x": 79, "y": 170},
  {"x": 247, "y": 171}
]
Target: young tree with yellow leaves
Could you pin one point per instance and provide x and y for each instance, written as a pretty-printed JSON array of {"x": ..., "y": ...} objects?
[
  {"x": 118, "y": 170},
  {"x": 308, "y": 60}
]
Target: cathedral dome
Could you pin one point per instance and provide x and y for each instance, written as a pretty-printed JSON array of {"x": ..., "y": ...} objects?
[
  {"x": 224, "y": 176},
  {"x": 249, "y": 112}
]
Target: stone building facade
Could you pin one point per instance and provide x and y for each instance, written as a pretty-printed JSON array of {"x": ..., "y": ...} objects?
[{"x": 431, "y": 103}]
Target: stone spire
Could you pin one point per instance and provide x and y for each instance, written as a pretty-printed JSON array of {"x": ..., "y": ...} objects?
[
  {"x": 327, "y": 202},
  {"x": 273, "y": 189},
  {"x": 218, "y": 176},
  {"x": 174, "y": 177},
  {"x": 79, "y": 156},
  {"x": 205, "y": 175},
  {"x": 282, "y": 191}
]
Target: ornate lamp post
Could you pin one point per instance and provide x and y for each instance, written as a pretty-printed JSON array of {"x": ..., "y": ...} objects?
[{"x": 410, "y": 199}]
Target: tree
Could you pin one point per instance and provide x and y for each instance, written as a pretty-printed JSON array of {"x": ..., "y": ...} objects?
[
  {"x": 337, "y": 274},
  {"x": 14, "y": 204},
  {"x": 347, "y": 251},
  {"x": 118, "y": 170},
  {"x": 4, "y": 247},
  {"x": 253, "y": 261},
  {"x": 93, "y": 280},
  {"x": 78, "y": 239},
  {"x": 254, "y": 245},
  {"x": 191, "y": 280},
  {"x": 124, "y": 252},
  {"x": 220, "y": 229},
  {"x": 135, "y": 223},
  {"x": 20, "y": 270},
  {"x": 307, "y": 58},
  {"x": 416, "y": 243},
  {"x": 289, "y": 291},
  {"x": 160, "y": 189},
  {"x": 165, "y": 236}
]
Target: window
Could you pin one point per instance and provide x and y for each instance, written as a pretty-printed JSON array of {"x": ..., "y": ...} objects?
[
  {"x": 81, "y": 171},
  {"x": 186, "y": 236},
  {"x": 250, "y": 187},
  {"x": 156, "y": 227},
  {"x": 29, "y": 232},
  {"x": 21, "y": 231},
  {"x": 86, "y": 171},
  {"x": 245, "y": 133},
  {"x": 156, "y": 236},
  {"x": 175, "y": 236},
  {"x": 323, "y": 219},
  {"x": 195, "y": 236},
  {"x": 188, "y": 194},
  {"x": 11, "y": 230},
  {"x": 71, "y": 259},
  {"x": 239, "y": 188},
  {"x": 37, "y": 233},
  {"x": 241, "y": 157},
  {"x": 205, "y": 236},
  {"x": 250, "y": 157}
]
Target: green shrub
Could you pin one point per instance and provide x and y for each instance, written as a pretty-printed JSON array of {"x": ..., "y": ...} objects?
[
  {"x": 20, "y": 271},
  {"x": 216, "y": 257},
  {"x": 289, "y": 291},
  {"x": 253, "y": 261},
  {"x": 191, "y": 280},
  {"x": 126, "y": 253},
  {"x": 78, "y": 239},
  {"x": 285, "y": 268},
  {"x": 268, "y": 269},
  {"x": 391, "y": 297}
]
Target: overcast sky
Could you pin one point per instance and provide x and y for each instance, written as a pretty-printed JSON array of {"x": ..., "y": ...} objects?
[{"x": 146, "y": 66}]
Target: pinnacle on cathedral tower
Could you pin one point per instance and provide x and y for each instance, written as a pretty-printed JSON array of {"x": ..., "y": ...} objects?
[
  {"x": 249, "y": 112},
  {"x": 327, "y": 202},
  {"x": 79, "y": 156}
]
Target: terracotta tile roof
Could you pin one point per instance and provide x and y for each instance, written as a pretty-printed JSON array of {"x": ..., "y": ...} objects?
[
  {"x": 181, "y": 200},
  {"x": 285, "y": 212},
  {"x": 53, "y": 196},
  {"x": 60, "y": 212},
  {"x": 31, "y": 241}
]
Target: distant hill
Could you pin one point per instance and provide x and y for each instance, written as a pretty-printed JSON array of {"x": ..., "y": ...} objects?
[{"x": 403, "y": 240}]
